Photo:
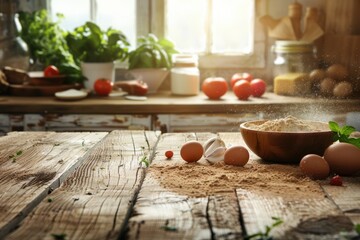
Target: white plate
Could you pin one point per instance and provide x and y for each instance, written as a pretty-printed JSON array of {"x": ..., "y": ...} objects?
[
  {"x": 71, "y": 94},
  {"x": 136, "y": 98}
]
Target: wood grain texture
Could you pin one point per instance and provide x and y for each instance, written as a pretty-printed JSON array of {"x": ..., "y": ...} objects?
[
  {"x": 306, "y": 215},
  {"x": 94, "y": 202},
  {"x": 304, "y": 218},
  {"x": 342, "y": 17},
  {"x": 32, "y": 164},
  {"x": 346, "y": 197},
  {"x": 170, "y": 210},
  {"x": 166, "y": 213},
  {"x": 164, "y": 102}
]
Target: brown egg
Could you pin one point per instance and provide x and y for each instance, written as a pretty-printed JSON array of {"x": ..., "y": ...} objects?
[
  {"x": 317, "y": 75},
  {"x": 343, "y": 89},
  {"x": 327, "y": 86},
  {"x": 343, "y": 158},
  {"x": 337, "y": 72},
  {"x": 314, "y": 166},
  {"x": 191, "y": 151},
  {"x": 236, "y": 155}
]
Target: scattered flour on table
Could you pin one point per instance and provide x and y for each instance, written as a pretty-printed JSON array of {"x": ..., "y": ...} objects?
[
  {"x": 201, "y": 179},
  {"x": 289, "y": 124}
]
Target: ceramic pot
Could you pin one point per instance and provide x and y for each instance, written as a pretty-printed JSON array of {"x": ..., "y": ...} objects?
[
  {"x": 94, "y": 71},
  {"x": 154, "y": 77}
]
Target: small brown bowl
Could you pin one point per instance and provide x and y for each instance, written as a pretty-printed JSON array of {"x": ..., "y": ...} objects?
[
  {"x": 38, "y": 79},
  {"x": 285, "y": 147}
]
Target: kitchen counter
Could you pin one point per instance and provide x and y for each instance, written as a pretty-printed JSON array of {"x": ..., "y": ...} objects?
[
  {"x": 164, "y": 102},
  {"x": 93, "y": 185},
  {"x": 162, "y": 111}
]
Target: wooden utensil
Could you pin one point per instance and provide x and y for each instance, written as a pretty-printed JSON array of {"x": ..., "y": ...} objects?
[
  {"x": 295, "y": 13},
  {"x": 269, "y": 21},
  {"x": 283, "y": 30},
  {"x": 312, "y": 29}
]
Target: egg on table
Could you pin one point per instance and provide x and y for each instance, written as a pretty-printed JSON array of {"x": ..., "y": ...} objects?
[
  {"x": 236, "y": 155},
  {"x": 314, "y": 166},
  {"x": 343, "y": 158},
  {"x": 191, "y": 151}
]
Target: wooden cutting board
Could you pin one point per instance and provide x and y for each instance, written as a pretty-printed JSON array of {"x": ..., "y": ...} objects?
[{"x": 31, "y": 90}]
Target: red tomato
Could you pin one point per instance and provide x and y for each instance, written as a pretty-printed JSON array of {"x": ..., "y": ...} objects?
[
  {"x": 258, "y": 87},
  {"x": 103, "y": 86},
  {"x": 169, "y": 154},
  {"x": 51, "y": 70},
  {"x": 242, "y": 89},
  {"x": 239, "y": 76},
  {"x": 214, "y": 87}
]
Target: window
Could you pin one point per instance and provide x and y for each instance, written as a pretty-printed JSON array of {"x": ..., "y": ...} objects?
[
  {"x": 211, "y": 26},
  {"x": 118, "y": 14},
  {"x": 222, "y": 32}
]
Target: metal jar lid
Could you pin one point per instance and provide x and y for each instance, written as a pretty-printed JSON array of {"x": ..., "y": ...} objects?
[{"x": 292, "y": 47}]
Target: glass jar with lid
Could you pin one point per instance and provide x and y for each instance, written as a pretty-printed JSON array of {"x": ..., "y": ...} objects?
[
  {"x": 293, "y": 57},
  {"x": 185, "y": 75}
]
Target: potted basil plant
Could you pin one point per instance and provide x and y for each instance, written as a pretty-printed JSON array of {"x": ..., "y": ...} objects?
[
  {"x": 151, "y": 60},
  {"x": 96, "y": 50}
]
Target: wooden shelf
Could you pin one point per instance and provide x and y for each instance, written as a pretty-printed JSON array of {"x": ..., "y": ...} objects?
[{"x": 165, "y": 103}]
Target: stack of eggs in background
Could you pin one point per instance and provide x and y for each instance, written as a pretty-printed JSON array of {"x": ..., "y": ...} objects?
[{"x": 331, "y": 82}]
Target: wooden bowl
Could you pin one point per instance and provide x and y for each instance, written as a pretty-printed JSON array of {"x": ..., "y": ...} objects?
[
  {"x": 38, "y": 79},
  {"x": 285, "y": 147}
]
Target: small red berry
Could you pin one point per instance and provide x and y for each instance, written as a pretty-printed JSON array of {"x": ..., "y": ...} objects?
[
  {"x": 336, "y": 181},
  {"x": 169, "y": 154}
]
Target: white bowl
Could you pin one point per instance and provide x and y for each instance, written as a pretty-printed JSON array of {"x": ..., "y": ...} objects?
[{"x": 153, "y": 77}]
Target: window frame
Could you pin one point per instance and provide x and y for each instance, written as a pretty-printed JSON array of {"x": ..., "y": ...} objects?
[
  {"x": 150, "y": 18},
  {"x": 256, "y": 59}
]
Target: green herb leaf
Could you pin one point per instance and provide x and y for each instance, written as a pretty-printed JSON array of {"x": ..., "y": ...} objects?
[
  {"x": 357, "y": 229},
  {"x": 347, "y": 130},
  {"x": 145, "y": 160},
  {"x": 152, "y": 53},
  {"x": 59, "y": 236},
  {"x": 47, "y": 44},
  {"x": 266, "y": 235},
  {"x": 169, "y": 228},
  {"x": 334, "y": 126},
  {"x": 342, "y": 134}
]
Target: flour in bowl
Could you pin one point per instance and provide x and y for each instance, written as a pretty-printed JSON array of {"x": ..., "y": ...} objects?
[{"x": 289, "y": 124}]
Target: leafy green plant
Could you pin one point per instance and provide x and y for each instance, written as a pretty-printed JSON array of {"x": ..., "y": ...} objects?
[
  {"x": 152, "y": 53},
  {"x": 59, "y": 236},
  {"x": 47, "y": 44},
  {"x": 266, "y": 235},
  {"x": 144, "y": 160},
  {"x": 357, "y": 229},
  {"x": 342, "y": 134},
  {"x": 88, "y": 43},
  {"x": 14, "y": 156}
]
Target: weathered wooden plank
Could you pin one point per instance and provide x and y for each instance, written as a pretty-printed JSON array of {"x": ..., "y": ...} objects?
[
  {"x": 195, "y": 122},
  {"x": 347, "y": 197},
  {"x": 273, "y": 190},
  {"x": 196, "y": 201},
  {"x": 166, "y": 103},
  {"x": 304, "y": 218},
  {"x": 34, "y": 163},
  {"x": 93, "y": 120},
  {"x": 95, "y": 201},
  {"x": 179, "y": 207}
]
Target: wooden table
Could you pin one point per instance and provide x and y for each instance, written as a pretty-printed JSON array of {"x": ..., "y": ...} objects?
[
  {"x": 166, "y": 103},
  {"x": 93, "y": 185}
]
